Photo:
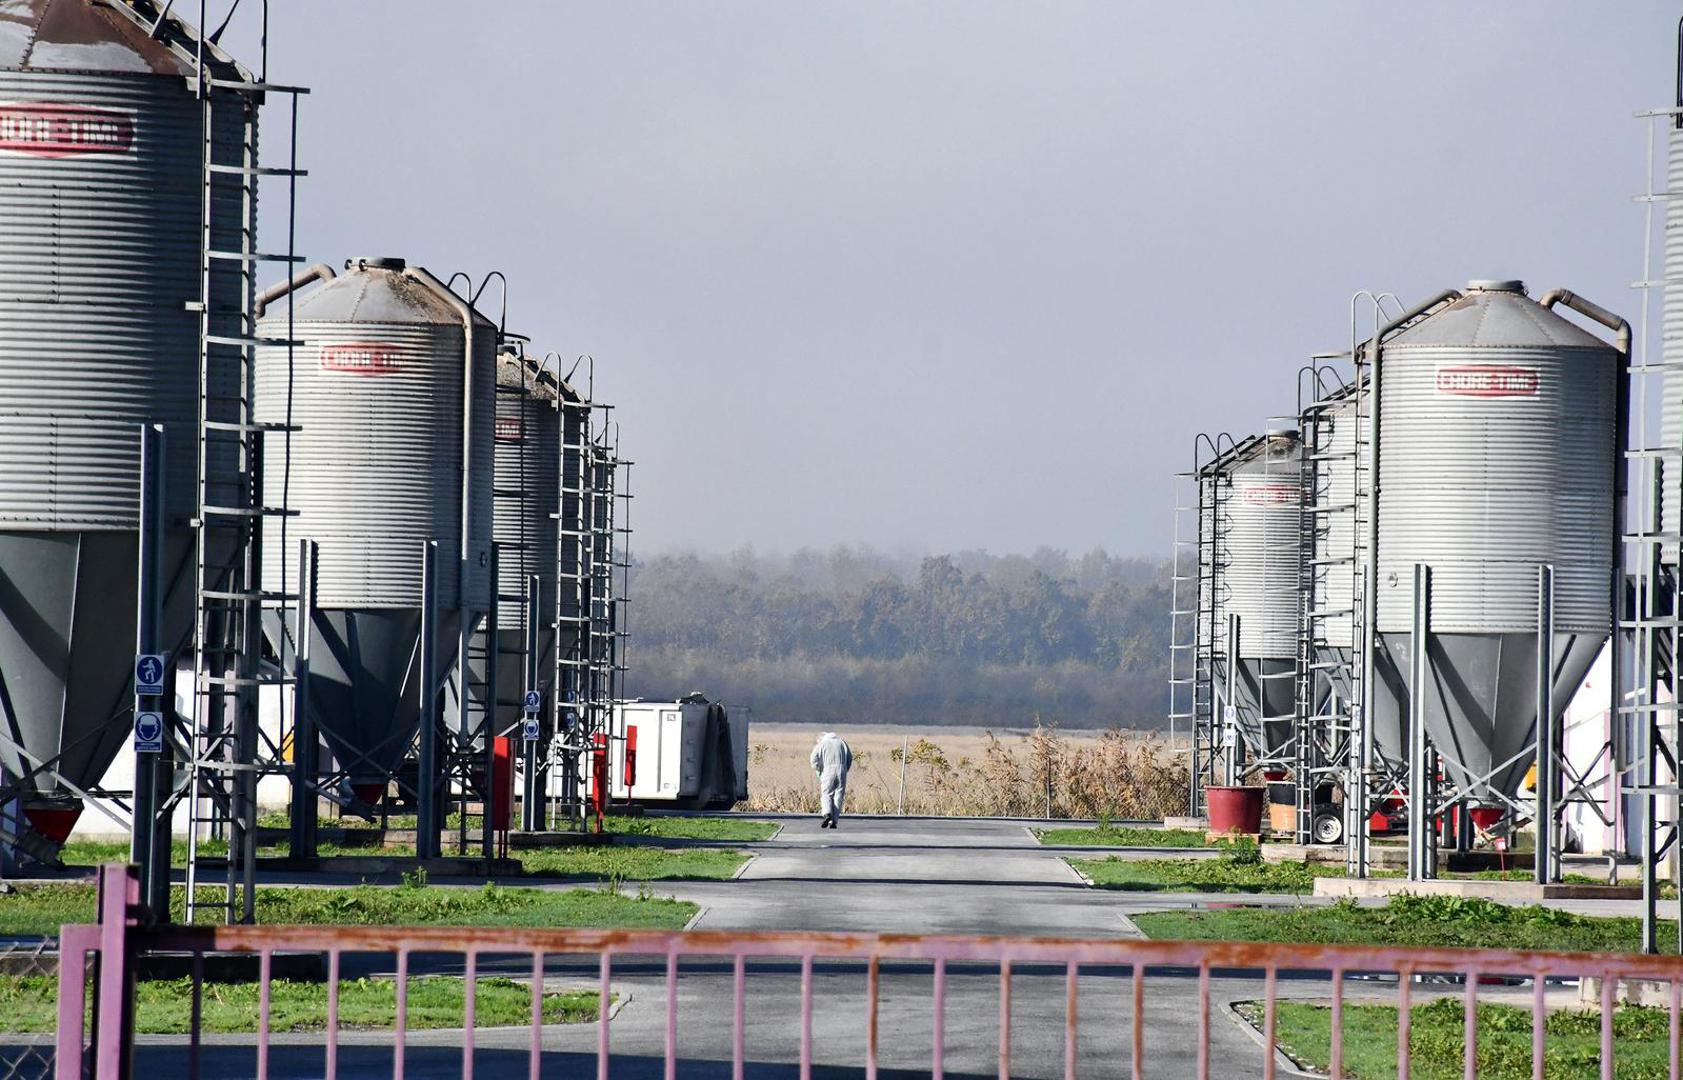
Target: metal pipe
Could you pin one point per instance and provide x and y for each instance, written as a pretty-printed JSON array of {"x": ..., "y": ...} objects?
[
  {"x": 150, "y": 765},
  {"x": 1548, "y": 747},
  {"x": 318, "y": 272},
  {"x": 305, "y": 740},
  {"x": 427, "y": 817},
  {"x": 465, "y": 312},
  {"x": 1419, "y": 749},
  {"x": 465, "y": 623},
  {"x": 1229, "y": 708},
  {"x": 1593, "y": 311},
  {"x": 1370, "y": 557},
  {"x": 488, "y": 752},
  {"x": 531, "y": 820},
  {"x": 1621, "y": 497}
]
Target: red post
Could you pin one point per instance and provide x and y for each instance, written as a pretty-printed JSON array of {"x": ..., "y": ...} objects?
[
  {"x": 599, "y": 777},
  {"x": 502, "y": 783},
  {"x": 630, "y": 759}
]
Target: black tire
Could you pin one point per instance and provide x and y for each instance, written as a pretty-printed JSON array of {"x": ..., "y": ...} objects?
[{"x": 1328, "y": 825}]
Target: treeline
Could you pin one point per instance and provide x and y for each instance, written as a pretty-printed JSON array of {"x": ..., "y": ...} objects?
[{"x": 856, "y": 635}]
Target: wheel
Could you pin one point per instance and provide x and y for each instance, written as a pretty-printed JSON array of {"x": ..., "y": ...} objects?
[{"x": 1329, "y": 825}]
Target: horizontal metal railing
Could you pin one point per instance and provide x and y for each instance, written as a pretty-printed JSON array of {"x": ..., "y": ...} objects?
[{"x": 98, "y": 961}]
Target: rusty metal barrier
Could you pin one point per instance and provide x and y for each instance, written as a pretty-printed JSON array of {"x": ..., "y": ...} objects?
[{"x": 97, "y": 970}]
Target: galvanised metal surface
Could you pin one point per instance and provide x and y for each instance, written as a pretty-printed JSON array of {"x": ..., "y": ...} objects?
[
  {"x": 1257, "y": 496},
  {"x": 1263, "y": 538},
  {"x": 528, "y": 483},
  {"x": 1496, "y": 454},
  {"x": 100, "y": 214},
  {"x": 528, "y": 463},
  {"x": 100, "y": 205},
  {"x": 1336, "y": 535},
  {"x": 1496, "y": 428},
  {"x": 375, "y": 469},
  {"x": 1671, "y": 410}
]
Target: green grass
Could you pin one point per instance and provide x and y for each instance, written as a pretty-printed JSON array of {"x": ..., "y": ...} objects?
[
  {"x": 40, "y": 910},
  {"x": 727, "y": 829},
  {"x": 586, "y": 862},
  {"x": 1436, "y": 1044},
  {"x": 1123, "y": 836},
  {"x": 1432, "y": 921},
  {"x": 29, "y": 1004},
  {"x": 1201, "y": 875}
]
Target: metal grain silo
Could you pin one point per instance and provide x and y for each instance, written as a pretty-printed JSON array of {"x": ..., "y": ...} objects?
[
  {"x": 380, "y": 391},
  {"x": 1259, "y": 538},
  {"x": 528, "y": 457},
  {"x": 1496, "y": 455},
  {"x": 101, "y": 202}
]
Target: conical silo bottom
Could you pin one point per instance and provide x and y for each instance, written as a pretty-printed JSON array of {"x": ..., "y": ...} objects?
[
  {"x": 1264, "y": 706},
  {"x": 364, "y": 695},
  {"x": 1481, "y": 701},
  {"x": 67, "y": 638}
]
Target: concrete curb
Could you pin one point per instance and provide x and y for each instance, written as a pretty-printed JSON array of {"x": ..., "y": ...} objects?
[
  {"x": 1130, "y": 929},
  {"x": 701, "y": 913},
  {"x": 746, "y": 863},
  {"x": 1283, "y": 1061}
]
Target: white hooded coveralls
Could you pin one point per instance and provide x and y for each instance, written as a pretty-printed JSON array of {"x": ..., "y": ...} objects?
[{"x": 831, "y": 758}]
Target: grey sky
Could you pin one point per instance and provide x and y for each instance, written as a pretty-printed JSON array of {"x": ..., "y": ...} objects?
[{"x": 965, "y": 274}]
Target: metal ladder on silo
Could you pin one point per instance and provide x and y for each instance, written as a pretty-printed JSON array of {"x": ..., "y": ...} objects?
[
  {"x": 1324, "y": 737},
  {"x": 620, "y": 561},
  {"x": 230, "y": 751},
  {"x": 604, "y": 641},
  {"x": 1184, "y": 611},
  {"x": 573, "y": 609},
  {"x": 1212, "y": 561},
  {"x": 1649, "y": 615}
]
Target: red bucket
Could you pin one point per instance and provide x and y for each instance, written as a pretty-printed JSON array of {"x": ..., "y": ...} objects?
[{"x": 1235, "y": 809}]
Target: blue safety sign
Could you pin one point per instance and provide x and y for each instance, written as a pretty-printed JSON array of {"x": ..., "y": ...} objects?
[
  {"x": 148, "y": 733},
  {"x": 531, "y": 729},
  {"x": 149, "y": 674},
  {"x": 532, "y": 700}
]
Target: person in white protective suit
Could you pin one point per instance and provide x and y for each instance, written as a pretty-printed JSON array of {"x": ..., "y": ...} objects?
[{"x": 831, "y": 758}]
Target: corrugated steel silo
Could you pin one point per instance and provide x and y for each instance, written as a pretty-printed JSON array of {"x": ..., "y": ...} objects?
[
  {"x": 528, "y": 457},
  {"x": 101, "y": 196},
  {"x": 1671, "y": 337},
  {"x": 1497, "y": 449},
  {"x": 377, "y": 392},
  {"x": 1260, "y": 536}
]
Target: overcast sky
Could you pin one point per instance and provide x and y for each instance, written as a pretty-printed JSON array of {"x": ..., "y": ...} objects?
[{"x": 950, "y": 275}]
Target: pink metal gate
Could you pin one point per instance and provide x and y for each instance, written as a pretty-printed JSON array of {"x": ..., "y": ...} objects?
[{"x": 97, "y": 970}]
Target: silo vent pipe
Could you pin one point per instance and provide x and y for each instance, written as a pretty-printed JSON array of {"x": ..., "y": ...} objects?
[
  {"x": 318, "y": 272},
  {"x": 465, "y": 312},
  {"x": 1592, "y": 311}
]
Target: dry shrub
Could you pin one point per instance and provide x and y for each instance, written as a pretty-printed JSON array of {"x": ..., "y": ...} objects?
[{"x": 1115, "y": 774}]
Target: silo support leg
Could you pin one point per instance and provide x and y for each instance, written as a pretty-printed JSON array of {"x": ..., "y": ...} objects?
[
  {"x": 1548, "y": 743},
  {"x": 1420, "y": 757}
]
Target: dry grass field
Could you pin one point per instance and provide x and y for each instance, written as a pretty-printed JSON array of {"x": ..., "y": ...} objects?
[{"x": 959, "y": 772}]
